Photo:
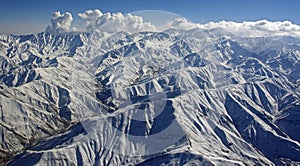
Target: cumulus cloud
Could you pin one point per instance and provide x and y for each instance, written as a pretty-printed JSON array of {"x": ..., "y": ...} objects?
[
  {"x": 60, "y": 23},
  {"x": 114, "y": 22},
  {"x": 90, "y": 18}
]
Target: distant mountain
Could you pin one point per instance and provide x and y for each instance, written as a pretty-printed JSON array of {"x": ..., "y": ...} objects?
[{"x": 175, "y": 97}]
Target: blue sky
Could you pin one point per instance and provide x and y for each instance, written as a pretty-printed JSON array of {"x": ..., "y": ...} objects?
[{"x": 30, "y": 16}]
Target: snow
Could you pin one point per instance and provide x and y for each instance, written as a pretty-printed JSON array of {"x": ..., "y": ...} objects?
[{"x": 195, "y": 96}]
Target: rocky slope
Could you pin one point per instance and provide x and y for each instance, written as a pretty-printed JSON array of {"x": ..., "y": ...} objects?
[{"x": 174, "y": 97}]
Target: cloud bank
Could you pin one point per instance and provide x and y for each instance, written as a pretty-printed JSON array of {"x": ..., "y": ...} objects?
[
  {"x": 260, "y": 28},
  {"x": 95, "y": 20}
]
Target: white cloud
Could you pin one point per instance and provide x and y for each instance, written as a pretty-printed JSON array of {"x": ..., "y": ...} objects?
[
  {"x": 258, "y": 28},
  {"x": 180, "y": 23},
  {"x": 245, "y": 29},
  {"x": 114, "y": 22},
  {"x": 60, "y": 23},
  {"x": 90, "y": 18}
]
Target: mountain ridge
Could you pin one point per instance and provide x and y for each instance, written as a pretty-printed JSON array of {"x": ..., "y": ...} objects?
[{"x": 231, "y": 103}]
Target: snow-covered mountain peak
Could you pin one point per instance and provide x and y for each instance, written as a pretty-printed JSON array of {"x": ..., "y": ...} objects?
[{"x": 200, "y": 94}]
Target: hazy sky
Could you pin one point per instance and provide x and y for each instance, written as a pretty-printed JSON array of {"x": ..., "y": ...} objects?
[{"x": 31, "y": 16}]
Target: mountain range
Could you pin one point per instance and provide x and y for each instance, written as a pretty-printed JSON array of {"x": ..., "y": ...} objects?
[{"x": 176, "y": 97}]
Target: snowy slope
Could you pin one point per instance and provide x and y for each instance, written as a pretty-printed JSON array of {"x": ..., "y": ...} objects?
[{"x": 193, "y": 96}]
